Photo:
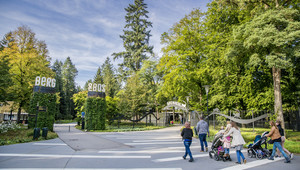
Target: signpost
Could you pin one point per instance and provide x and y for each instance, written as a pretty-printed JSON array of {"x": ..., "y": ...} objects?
[{"x": 82, "y": 119}]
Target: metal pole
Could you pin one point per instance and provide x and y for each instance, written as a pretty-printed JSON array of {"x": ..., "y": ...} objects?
[
  {"x": 36, "y": 115},
  {"x": 207, "y": 109},
  {"x": 253, "y": 121}
]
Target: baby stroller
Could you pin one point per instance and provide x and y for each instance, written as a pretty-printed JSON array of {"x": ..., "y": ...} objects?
[
  {"x": 217, "y": 151},
  {"x": 256, "y": 149}
]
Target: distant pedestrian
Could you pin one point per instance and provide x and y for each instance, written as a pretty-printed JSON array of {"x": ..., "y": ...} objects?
[
  {"x": 237, "y": 141},
  {"x": 276, "y": 139},
  {"x": 187, "y": 136},
  {"x": 203, "y": 130},
  {"x": 281, "y": 131}
]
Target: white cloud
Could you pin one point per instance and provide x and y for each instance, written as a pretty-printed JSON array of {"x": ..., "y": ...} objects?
[{"x": 88, "y": 30}]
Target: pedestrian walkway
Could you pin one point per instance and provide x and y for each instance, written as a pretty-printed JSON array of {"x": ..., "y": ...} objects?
[
  {"x": 82, "y": 141},
  {"x": 160, "y": 149}
]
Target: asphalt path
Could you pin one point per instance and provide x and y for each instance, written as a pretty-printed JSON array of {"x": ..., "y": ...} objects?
[{"x": 140, "y": 150}]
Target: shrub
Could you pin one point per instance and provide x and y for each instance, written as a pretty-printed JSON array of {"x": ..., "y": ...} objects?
[{"x": 95, "y": 113}]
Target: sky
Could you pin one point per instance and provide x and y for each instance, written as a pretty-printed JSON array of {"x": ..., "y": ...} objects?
[{"x": 88, "y": 31}]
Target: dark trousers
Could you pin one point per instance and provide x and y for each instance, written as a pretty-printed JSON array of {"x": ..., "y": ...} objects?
[{"x": 202, "y": 138}]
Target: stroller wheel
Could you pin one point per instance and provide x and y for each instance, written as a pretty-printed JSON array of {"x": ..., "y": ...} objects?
[
  {"x": 259, "y": 155},
  {"x": 210, "y": 154},
  {"x": 224, "y": 159},
  {"x": 217, "y": 158},
  {"x": 250, "y": 154},
  {"x": 229, "y": 159}
]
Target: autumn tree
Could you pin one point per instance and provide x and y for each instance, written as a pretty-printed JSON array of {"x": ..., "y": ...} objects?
[{"x": 28, "y": 58}]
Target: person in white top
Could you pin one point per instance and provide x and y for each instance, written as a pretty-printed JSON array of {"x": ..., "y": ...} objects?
[{"x": 237, "y": 141}]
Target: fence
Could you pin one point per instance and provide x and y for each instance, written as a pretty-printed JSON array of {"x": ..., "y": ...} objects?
[{"x": 291, "y": 118}]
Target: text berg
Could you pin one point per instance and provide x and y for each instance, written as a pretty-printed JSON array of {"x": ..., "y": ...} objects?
[
  {"x": 46, "y": 82},
  {"x": 96, "y": 87}
]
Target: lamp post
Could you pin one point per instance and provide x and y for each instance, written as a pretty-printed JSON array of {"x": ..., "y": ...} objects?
[
  {"x": 207, "y": 90},
  {"x": 187, "y": 107}
]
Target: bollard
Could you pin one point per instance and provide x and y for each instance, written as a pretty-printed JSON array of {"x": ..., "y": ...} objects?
[
  {"x": 44, "y": 132},
  {"x": 36, "y": 133}
]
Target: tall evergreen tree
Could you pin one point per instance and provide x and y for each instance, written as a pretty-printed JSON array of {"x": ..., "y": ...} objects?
[
  {"x": 86, "y": 86},
  {"x": 98, "y": 79},
  {"x": 69, "y": 72},
  {"x": 136, "y": 36},
  {"x": 57, "y": 68},
  {"x": 109, "y": 79}
]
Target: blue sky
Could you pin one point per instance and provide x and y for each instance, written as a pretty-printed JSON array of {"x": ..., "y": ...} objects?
[{"x": 88, "y": 30}]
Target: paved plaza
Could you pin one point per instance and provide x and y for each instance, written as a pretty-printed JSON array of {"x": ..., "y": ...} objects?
[{"x": 141, "y": 150}]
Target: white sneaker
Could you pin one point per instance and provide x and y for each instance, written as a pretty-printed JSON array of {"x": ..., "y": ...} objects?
[{"x": 291, "y": 156}]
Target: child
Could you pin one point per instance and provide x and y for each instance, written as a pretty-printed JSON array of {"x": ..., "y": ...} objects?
[
  {"x": 221, "y": 131},
  {"x": 228, "y": 127},
  {"x": 187, "y": 135},
  {"x": 226, "y": 145}
]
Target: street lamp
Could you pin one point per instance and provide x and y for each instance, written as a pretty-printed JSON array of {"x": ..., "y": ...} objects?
[
  {"x": 207, "y": 90},
  {"x": 187, "y": 107}
]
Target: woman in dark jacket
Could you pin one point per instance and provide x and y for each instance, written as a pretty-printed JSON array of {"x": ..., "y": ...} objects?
[
  {"x": 281, "y": 131},
  {"x": 187, "y": 135}
]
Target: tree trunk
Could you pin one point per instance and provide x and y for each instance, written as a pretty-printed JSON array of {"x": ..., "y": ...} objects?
[
  {"x": 19, "y": 112},
  {"x": 277, "y": 95}
]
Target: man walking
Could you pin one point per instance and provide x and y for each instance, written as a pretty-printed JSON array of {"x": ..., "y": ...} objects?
[{"x": 203, "y": 130}]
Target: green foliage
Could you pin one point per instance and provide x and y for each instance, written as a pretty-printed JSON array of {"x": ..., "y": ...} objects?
[
  {"x": 57, "y": 68},
  {"x": 95, "y": 110},
  {"x": 22, "y": 135},
  {"x": 44, "y": 118},
  {"x": 136, "y": 36},
  {"x": 184, "y": 63},
  {"x": 98, "y": 79},
  {"x": 79, "y": 100},
  {"x": 112, "y": 110},
  {"x": 109, "y": 79},
  {"x": 5, "y": 80},
  {"x": 69, "y": 72},
  {"x": 28, "y": 58},
  {"x": 132, "y": 98}
]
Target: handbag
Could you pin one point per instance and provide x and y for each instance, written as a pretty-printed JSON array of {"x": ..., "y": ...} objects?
[{"x": 270, "y": 141}]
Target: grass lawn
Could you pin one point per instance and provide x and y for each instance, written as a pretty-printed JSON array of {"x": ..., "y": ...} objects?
[
  {"x": 22, "y": 135},
  {"x": 127, "y": 126}
]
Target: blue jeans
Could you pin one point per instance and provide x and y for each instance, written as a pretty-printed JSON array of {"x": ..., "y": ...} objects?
[
  {"x": 278, "y": 145},
  {"x": 226, "y": 150},
  {"x": 202, "y": 138},
  {"x": 238, "y": 155},
  {"x": 187, "y": 145}
]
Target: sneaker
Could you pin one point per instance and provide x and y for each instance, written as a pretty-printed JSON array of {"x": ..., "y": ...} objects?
[
  {"x": 184, "y": 157},
  {"x": 277, "y": 156},
  {"x": 287, "y": 161},
  {"x": 201, "y": 151},
  {"x": 245, "y": 161},
  {"x": 291, "y": 156},
  {"x": 237, "y": 162},
  {"x": 206, "y": 149},
  {"x": 191, "y": 160},
  {"x": 271, "y": 158}
]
